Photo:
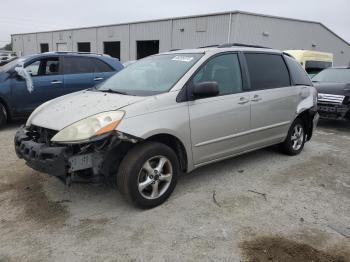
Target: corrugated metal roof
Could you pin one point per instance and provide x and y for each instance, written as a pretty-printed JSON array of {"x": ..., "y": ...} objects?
[{"x": 193, "y": 16}]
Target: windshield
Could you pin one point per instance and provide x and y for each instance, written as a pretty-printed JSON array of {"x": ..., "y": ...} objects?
[
  {"x": 337, "y": 75},
  {"x": 152, "y": 75}
]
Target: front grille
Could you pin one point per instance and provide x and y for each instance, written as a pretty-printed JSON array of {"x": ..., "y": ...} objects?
[
  {"x": 41, "y": 135},
  {"x": 332, "y": 99}
]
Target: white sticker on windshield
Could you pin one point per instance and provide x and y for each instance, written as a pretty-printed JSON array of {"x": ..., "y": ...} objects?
[{"x": 183, "y": 58}]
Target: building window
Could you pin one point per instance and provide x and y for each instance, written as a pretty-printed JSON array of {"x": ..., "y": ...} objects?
[
  {"x": 112, "y": 49},
  {"x": 147, "y": 48},
  {"x": 44, "y": 48},
  {"x": 84, "y": 47}
]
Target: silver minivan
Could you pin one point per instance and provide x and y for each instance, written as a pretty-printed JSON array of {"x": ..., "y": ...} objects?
[{"x": 171, "y": 113}]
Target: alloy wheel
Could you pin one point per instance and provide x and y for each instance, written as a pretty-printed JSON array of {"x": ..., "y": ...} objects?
[
  {"x": 155, "y": 177},
  {"x": 297, "y": 137}
]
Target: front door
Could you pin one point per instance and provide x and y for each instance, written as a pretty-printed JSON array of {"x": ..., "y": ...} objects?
[
  {"x": 218, "y": 124},
  {"x": 47, "y": 84},
  {"x": 62, "y": 47}
]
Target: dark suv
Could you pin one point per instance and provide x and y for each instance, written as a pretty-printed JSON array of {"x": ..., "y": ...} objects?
[
  {"x": 27, "y": 82},
  {"x": 333, "y": 86}
]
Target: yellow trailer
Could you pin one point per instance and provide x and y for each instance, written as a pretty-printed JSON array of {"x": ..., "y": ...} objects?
[{"x": 312, "y": 61}]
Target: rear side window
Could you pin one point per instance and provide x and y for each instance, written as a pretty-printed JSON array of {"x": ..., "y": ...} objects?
[
  {"x": 78, "y": 65},
  {"x": 101, "y": 66},
  {"x": 267, "y": 71},
  {"x": 297, "y": 73}
]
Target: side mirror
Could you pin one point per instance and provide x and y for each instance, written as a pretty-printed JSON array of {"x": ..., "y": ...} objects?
[{"x": 205, "y": 89}]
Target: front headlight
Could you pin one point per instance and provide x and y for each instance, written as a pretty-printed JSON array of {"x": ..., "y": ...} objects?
[{"x": 89, "y": 127}]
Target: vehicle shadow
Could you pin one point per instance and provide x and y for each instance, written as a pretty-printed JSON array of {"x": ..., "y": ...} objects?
[
  {"x": 107, "y": 197},
  {"x": 13, "y": 124},
  {"x": 338, "y": 125}
]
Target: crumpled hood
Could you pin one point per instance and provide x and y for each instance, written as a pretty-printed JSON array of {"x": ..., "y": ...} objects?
[{"x": 66, "y": 110}]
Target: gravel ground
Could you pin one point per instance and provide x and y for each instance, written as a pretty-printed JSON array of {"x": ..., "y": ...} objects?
[{"x": 261, "y": 206}]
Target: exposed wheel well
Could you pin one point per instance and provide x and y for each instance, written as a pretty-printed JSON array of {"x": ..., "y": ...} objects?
[
  {"x": 307, "y": 118},
  {"x": 175, "y": 144}
]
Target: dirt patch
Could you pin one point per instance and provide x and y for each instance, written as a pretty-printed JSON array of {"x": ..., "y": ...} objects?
[
  {"x": 27, "y": 194},
  {"x": 89, "y": 228},
  {"x": 316, "y": 168},
  {"x": 88, "y": 221},
  {"x": 279, "y": 249}
]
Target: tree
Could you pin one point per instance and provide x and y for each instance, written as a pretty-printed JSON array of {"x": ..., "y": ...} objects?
[{"x": 7, "y": 47}]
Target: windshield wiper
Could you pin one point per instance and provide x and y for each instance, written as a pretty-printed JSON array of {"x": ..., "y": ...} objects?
[{"x": 113, "y": 91}]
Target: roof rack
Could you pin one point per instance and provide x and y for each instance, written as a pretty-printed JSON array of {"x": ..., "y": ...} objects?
[
  {"x": 74, "y": 52},
  {"x": 241, "y": 45},
  {"x": 208, "y": 46},
  {"x": 286, "y": 54}
]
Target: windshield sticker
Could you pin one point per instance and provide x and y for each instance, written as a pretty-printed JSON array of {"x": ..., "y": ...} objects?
[{"x": 183, "y": 58}]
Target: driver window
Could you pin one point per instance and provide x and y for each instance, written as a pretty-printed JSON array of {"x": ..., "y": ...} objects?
[
  {"x": 33, "y": 68},
  {"x": 47, "y": 66},
  {"x": 223, "y": 69}
]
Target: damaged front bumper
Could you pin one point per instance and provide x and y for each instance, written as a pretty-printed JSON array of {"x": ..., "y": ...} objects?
[
  {"x": 92, "y": 158},
  {"x": 334, "y": 111},
  {"x": 39, "y": 156}
]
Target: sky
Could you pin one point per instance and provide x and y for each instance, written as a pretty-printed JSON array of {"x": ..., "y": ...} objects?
[{"x": 23, "y": 16}]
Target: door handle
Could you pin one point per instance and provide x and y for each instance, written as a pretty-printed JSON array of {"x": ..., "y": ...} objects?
[
  {"x": 98, "y": 78},
  {"x": 56, "y": 82},
  {"x": 243, "y": 100},
  {"x": 256, "y": 98}
]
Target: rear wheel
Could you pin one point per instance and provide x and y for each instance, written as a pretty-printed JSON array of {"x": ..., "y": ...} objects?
[
  {"x": 295, "y": 140},
  {"x": 3, "y": 115},
  {"x": 148, "y": 174}
]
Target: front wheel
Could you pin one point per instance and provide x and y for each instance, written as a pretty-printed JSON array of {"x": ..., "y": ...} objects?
[
  {"x": 295, "y": 140},
  {"x": 148, "y": 174}
]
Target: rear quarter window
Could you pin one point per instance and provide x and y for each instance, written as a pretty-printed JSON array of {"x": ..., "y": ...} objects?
[
  {"x": 298, "y": 74},
  {"x": 101, "y": 66},
  {"x": 267, "y": 71}
]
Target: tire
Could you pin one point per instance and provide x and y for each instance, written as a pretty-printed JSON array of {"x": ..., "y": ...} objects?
[
  {"x": 146, "y": 167},
  {"x": 3, "y": 115},
  {"x": 295, "y": 140}
]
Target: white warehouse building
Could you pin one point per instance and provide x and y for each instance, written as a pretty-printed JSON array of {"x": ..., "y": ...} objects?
[{"x": 130, "y": 41}]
